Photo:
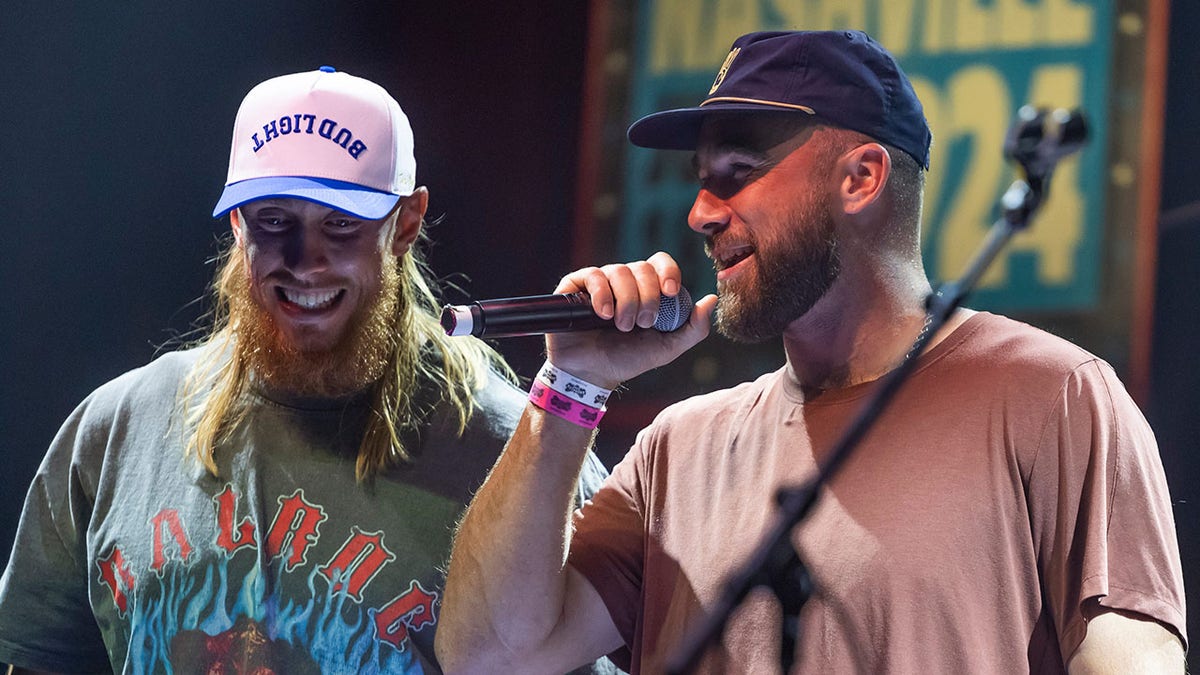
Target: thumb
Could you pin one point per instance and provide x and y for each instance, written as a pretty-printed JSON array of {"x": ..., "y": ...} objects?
[{"x": 700, "y": 322}]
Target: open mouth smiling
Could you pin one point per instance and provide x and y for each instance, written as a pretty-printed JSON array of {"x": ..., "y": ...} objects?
[
  {"x": 309, "y": 301},
  {"x": 726, "y": 258}
]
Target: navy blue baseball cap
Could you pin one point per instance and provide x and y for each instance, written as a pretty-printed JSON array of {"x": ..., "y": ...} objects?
[{"x": 841, "y": 77}]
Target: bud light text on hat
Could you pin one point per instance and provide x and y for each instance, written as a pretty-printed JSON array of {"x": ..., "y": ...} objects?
[{"x": 304, "y": 123}]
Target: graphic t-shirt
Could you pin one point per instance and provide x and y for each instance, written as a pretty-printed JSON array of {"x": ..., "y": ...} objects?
[{"x": 131, "y": 556}]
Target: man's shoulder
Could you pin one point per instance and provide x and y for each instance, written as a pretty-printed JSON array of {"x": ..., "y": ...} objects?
[
  {"x": 715, "y": 406},
  {"x": 139, "y": 401},
  {"x": 158, "y": 380},
  {"x": 499, "y": 392},
  {"x": 1006, "y": 359},
  {"x": 498, "y": 405},
  {"x": 1007, "y": 343}
]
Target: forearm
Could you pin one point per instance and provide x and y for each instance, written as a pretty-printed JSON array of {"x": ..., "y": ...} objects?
[{"x": 506, "y": 586}]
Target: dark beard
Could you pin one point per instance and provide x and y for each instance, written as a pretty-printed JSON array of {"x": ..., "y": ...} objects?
[
  {"x": 791, "y": 275},
  {"x": 357, "y": 361}
]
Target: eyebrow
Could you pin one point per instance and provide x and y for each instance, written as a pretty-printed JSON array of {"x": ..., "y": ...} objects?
[{"x": 731, "y": 148}]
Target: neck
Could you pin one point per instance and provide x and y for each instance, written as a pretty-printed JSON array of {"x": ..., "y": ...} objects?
[{"x": 862, "y": 329}]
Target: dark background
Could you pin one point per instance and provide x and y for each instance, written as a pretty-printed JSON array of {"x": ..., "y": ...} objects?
[{"x": 115, "y": 122}]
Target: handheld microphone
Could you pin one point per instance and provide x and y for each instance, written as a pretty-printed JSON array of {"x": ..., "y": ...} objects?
[{"x": 557, "y": 313}]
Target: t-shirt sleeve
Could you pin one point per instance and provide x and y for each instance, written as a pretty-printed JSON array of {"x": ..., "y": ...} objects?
[
  {"x": 607, "y": 544},
  {"x": 1101, "y": 511},
  {"x": 46, "y": 620}
]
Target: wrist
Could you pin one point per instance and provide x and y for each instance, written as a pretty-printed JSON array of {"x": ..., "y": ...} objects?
[
  {"x": 564, "y": 407},
  {"x": 568, "y": 396},
  {"x": 598, "y": 379},
  {"x": 573, "y": 386}
]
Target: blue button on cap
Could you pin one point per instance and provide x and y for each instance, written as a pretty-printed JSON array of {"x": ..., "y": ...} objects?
[{"x": 328, "y": 69}]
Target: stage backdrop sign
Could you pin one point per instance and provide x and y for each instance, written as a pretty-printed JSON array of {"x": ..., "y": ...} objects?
[{"x": 973, "y": 63}]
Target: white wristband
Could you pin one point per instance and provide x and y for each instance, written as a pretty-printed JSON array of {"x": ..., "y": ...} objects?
[{"x": 568, "y": 385}]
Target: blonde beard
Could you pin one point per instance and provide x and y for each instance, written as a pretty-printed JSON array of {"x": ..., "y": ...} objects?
[
  {"x": 356, "y": 362},
  {"x": 793, "y": 272}
]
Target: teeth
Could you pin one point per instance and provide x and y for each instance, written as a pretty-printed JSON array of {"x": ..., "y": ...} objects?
[
  {"x": 732, "y": 256},
  {"x": 310, "y": 299}
]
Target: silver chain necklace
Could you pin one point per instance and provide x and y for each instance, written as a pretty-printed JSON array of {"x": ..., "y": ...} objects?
[{"x": 920, "y": 336}]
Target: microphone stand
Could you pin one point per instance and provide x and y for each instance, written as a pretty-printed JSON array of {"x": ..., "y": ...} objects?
[{"x": 1036, "y": 141}]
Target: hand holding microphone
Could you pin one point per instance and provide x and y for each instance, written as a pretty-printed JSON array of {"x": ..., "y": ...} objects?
[{"x": 635, "y": 297}]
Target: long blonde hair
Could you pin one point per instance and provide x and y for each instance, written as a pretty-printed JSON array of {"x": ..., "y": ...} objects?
[{"x": 424, "y": 360}]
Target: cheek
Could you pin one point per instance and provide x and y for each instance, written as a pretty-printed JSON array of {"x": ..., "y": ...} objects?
[
  {"x": 255, "y": 271},
  {"x": 364, "y": 263},
  {"x": 369, "y": 273}
]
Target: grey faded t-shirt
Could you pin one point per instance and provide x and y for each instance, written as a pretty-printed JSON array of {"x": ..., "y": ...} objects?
[{"x": 131, "y": 557}]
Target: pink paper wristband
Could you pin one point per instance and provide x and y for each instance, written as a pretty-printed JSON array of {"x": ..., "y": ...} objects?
[{"x": 564, "y": 407}]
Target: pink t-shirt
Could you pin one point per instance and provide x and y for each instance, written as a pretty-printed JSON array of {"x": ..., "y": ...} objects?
[{"x": 1010, "y": 481}]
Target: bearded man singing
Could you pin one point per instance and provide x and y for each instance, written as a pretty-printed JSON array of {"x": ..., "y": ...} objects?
[{"x": 279, "y": 497}]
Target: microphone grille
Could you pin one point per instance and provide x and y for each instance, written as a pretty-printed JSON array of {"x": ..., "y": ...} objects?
[{"x": 673, "y": 312}]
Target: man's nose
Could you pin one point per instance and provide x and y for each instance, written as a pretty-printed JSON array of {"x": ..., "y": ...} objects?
[
  {"x": 307, "y": 252},
  {"x": 709, "y": 214}
]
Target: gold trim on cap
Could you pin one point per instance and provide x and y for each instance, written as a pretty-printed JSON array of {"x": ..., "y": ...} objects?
[{"x": 776, "y": 104}]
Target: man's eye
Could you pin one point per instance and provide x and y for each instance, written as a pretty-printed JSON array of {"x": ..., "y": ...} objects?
[
  {"x": 342, "y": 225},
  {"x": 272, "y": 223},
  {"x": 727, "y": 182}
]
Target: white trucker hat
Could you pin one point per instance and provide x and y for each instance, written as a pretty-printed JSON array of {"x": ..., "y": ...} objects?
[{"x": 324, "y": 136}]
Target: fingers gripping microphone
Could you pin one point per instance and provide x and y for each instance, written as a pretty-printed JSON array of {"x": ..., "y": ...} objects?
[{"x": 558, "y": 313}]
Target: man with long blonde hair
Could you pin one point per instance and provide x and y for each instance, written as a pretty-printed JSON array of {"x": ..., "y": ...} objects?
[{"x": 280, "y": 496}]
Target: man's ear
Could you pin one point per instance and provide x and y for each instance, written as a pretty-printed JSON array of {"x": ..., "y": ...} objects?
[
  {"x": 409, "y": 218},
  {"x": 235, "y": 224},
  {"x": 865, "y": 171}
]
